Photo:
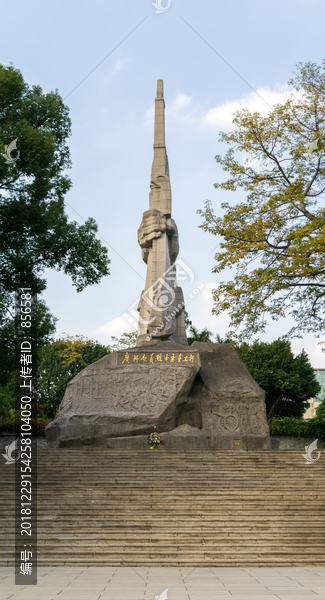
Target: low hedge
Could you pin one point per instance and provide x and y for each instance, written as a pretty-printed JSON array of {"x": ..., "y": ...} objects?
[{"x": 297, "y": 426}]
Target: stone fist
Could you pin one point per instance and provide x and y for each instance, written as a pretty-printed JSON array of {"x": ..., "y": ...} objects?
[{"x": 152, "y": 226}]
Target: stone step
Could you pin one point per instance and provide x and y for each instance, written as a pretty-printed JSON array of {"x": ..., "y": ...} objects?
[
  {"x": 130, "y": 529},
  {"x": 175, "y": 558},
  {"x": 180, "y": 511},
  {"x": 183, "y": 480},
  {"x": 181, "y": 486},
  {"x": 169, "y": 508},
  {"x": 138, "y": 500},
  {"x": 185, "y": 516},
  {"x": 171, "y": 502},
  {"x": 153, "y": 562},
  {"x": 140, "y": 536},
  {"x": 224, "y": 495},
  {"x": 178, "y": 553},
  {"x": 139, "y": 561},
  {"x": 268, "y": 544}
]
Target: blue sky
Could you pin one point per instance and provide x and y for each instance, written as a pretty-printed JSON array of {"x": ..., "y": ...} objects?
[{"x": 56, "y": 44}]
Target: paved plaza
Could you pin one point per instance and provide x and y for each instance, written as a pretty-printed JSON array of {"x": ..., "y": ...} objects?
[{"x": 145, "y": 583}]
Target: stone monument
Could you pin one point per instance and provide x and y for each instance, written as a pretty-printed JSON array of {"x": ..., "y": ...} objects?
[
  {"x": 161, "y": 307},
  {"x": 200, "y": 396}
]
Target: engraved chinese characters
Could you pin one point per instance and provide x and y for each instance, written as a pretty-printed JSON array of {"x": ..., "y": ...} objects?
[
  {"x": 127, "y": 392},
  {"x": 135, "y": 390},
  {"x": 138, "y": 388},
  {"x": 203, "y": 393},
  {"x": 175, "y": 358},
  {"x": 123, "y": 394}
]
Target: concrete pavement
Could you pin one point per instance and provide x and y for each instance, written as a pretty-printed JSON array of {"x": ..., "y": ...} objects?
[{"x": 142, "y": 583}]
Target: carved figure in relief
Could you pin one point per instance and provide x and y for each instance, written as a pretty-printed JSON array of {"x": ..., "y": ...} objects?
[
  {"x": 243, "y": 411},
  {"x": 257, "y": 419},
  {"x": 245, "y": 416}
]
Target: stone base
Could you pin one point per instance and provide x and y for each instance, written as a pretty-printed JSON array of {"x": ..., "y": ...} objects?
[
  {"x": 200, "y": 396},
  {"x": 124, "y": 394},
  {"x": 241, "y": 442}
]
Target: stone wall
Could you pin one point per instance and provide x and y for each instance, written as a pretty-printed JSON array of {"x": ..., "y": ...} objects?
[{"x": 291, "y": 442}]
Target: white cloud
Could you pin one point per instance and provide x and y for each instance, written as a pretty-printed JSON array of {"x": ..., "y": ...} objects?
[
  {"x": 222, "y": 115},
  {"x": 200, "y": 307},
  {"x": 316, "y": 356},
  {"x": 115, "y": 327},
  {"x": 207, "y": 292},
  {"x": 120, "y": 64},
  {"x": 181, "y": 101}
]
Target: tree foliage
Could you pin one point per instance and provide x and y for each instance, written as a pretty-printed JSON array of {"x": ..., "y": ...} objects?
[
  {"x": 45, "y": 328},
  {"x": 127, "y": 340},
  {"x": 192, "y": 332},
  {"x": 297, "y": 426},
  {"x": 34, "y": 230},
  {"x": 320, "y": 410},
  {"x": 288, "y": 381},
  {"x": 226, "y": 340},
  {"x": 198, "y": 336},
  {"x": 275, "y": 238},
  {"x": 187, "y": 320}
]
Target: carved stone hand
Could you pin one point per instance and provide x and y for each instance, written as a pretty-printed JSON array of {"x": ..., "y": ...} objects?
[{"x": 152, "y": 226}]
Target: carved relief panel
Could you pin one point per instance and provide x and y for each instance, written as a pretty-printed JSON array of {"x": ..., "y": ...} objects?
[
  {"x": 243, "y": 417},
  {"x": 133, "y": 390}
]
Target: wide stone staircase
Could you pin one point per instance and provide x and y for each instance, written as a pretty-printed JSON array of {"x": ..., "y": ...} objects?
[{"x": 167, "y": 508}]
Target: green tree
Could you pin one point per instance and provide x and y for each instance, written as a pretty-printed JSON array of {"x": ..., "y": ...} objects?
[
  {"x": 289, "y": 382},
  {"x": 34, "y": 230},
  {"x": 199, "y": 336},
  {"x": 45, "y": 329},
  {"x": 275, "y": 238},
  {"x": 225, "y": 340},
  {"x": 193, "y": 334},
  {"x": 7, "y": 401},
  {"x": 127, "y": 340},
  {"x": 320, "y": 410},
  {"x": 59, "y": 362},
  {"x": 188, "y": 323}
]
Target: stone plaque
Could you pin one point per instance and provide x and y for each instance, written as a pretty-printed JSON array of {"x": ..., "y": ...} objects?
[{"x": 158, "y": 358}]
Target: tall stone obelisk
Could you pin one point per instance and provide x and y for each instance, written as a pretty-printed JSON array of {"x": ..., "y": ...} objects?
[{"x": 161, "y": 305}]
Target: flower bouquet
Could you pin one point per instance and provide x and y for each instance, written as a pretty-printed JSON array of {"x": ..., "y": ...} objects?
[{"x": 154, "y": 439}]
